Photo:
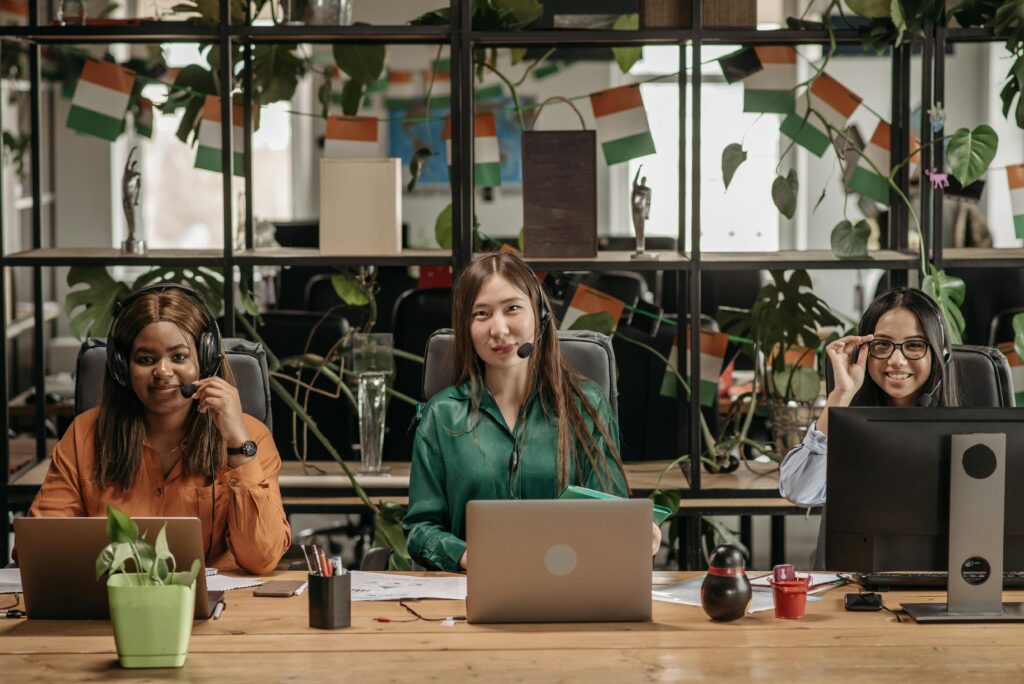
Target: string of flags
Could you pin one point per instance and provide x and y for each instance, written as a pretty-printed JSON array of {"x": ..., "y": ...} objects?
[{"x": 1015, "y": 178}]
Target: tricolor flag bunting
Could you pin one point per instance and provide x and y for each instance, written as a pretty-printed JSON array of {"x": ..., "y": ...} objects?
[
  {"x": 1016, "y": 371},
  {"x": 144, "y": 118},
  {"x": 491, "y": 92},
  {"x": 768, "y": 73},
  {"x": 830, "y": 99},
  {"x": 712, "y": 357},
  {"x": 547, "y": 69},
  {"x": 208, "y": 156},
  {"x": 441, "y": 93},
  {"x": 865, "y": 179},
  {"x": 401, "y": 92},
  {"x": 1015, "y": 176},
  {"x": 800, "y": 355},
  {"x": 622, "y": 128},
  {"x": 101, "y": 100},
  {"x": 486, "y": 152},
  {"x": 351, "y": 136},
  {"x": 13, "y": 12},
  {"x": 587, "y": 301}
]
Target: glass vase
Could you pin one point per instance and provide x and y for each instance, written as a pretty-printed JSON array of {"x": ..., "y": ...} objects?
[{"x": 374, "y": 363}]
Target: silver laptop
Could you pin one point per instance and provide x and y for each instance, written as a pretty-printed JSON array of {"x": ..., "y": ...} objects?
[
  {"x": 559, "y": 561},
  {"x": 57, "y": 557}
]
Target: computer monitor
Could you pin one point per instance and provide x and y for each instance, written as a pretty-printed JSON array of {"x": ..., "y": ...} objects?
[{"x": 887, "y": 500}]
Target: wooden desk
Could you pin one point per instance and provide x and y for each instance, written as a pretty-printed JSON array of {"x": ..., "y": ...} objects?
[{"x": 267, "y": 640}]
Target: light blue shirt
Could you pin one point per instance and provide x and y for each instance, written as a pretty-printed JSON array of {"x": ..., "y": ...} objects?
[{"x": 802, "y": 473}]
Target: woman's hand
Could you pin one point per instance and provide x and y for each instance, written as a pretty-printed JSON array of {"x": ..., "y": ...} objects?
[
  {"x": 464, "y": 559},
  {"x": 219, "y": 398},
  {"x": 848, "y": 374},
  {"x": 656, "y": 540}
]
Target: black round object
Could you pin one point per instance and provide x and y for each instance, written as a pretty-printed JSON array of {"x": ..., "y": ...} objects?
[
  {"x": 976, "y": 570},
  {"x": 725, "y": 593},
  {"x": 979, "y": 462}
]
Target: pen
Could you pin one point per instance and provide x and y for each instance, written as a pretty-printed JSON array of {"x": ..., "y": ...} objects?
[
  {"x": 306, "y": 555},
  {"x": 218, "y": 609},
  {"x": 324, "y": 563},
  {"x": 336, "y": 567},
  {"x": 314, "y": 550}
]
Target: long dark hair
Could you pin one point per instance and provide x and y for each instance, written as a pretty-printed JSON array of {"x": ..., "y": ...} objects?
[
  {"x": 941, "y": 386},
  {"x": 557, "y": 383},
  {"x": 121, "y": 426}
]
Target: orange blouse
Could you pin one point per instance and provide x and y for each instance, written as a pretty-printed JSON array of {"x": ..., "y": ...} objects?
[{"x": 249, "y": 528}]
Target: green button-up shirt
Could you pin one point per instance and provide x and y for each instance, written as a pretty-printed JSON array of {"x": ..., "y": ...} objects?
[{"x": 455, "y": 461}]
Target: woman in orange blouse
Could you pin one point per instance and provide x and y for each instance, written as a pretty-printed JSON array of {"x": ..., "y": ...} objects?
[{"x": 149, "y": 450}]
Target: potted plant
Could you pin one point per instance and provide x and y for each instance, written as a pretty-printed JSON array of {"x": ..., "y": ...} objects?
[
  {"x": 151, "y": 609},
  {"x": 784, "y": 326}
]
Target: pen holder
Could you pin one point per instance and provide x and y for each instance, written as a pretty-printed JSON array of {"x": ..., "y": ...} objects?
[
  {"x": 790, "y": 597},
  {"x": 330, "y": 601}
]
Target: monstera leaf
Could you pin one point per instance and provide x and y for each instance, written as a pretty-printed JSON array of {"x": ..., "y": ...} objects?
[{"x": 96, "y": 301}]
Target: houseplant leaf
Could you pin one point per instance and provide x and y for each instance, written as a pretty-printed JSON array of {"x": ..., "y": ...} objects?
[
  {"x": 948, "y": 292},
  {"x": 1018, "y": 335},
  {"x": 443, "y": 228},
  {"x": 875, "y": 9},
  {"x": 351, "y": 97},
  {"x": 363, "y": 63},
  {"x": 349, "y": 290},
  {"x": 97, "y": 300},
  {"x": 120, "y": 528},
  {"x": 801, "y": 383},
  {"x": 601, "y": 322},
  {"x": 784, "y": 191},
  {"x": 276, "y": 71},
  {"x": 970, "y": 153},
  {"x": 626, "y": 57},
  {"x": 850, "y": 241},
  {"x": 732, "y": 156}
]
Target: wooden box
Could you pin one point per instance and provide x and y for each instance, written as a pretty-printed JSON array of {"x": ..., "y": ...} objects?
[
  {"x": 560, "y": 194},
  {"x": 716, "y": 13},
  {"x": 361, "y": 207}
]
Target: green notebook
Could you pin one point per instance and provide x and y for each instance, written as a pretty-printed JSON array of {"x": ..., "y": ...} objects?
[{"x": 661, "y": 513}]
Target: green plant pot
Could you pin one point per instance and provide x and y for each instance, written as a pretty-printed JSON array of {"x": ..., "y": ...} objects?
[{"x": 152, "y": 624}]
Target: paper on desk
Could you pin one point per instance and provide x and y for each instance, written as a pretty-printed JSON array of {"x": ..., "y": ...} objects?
[
  {"x": 10, "y": 580},
  {"x": 687, "y": 593},
  {"x": 377, "y": 586},
  {"x": 225, "y": 583}
]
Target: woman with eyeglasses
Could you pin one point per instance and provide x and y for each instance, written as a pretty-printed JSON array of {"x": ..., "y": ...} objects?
[
  {"x": 899, "y": 358},
  {"x": 518, "y": 423}
]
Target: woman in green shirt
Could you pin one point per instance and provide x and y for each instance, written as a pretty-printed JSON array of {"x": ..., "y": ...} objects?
[{"x": 519, "y": 423}]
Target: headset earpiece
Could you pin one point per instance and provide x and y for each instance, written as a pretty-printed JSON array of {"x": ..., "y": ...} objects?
[{"x": 207, "y": 345}]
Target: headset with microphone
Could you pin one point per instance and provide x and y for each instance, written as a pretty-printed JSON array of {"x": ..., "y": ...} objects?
[
  {"x": 208, "y": 349},
  {"x": 527, "y": 348},
  {"x": 930, "y": 397}
]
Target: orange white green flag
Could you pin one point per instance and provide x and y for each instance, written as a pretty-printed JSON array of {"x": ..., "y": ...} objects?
[
  {"x": 1015, "y": 177},
  {"x": 101, "y": 99},
  {"x": 486, "y": 151},
  {"x": 13, "y": 12},
  {"x": 866, "y": 180},
  {"x": 401, "y": 90},
  {"x": 622, "y": 129},
  {"x": 830, "y": 99},
  {"x": 772, "y": 88},
  {"x": 1016, "y": 371},
  {"x": 209, "y": 153},
  {"x": 588, "y": 302},
  {"x": 351, "y": 137},
  {"x": 712, "y": 357},
  {"x": 441, "y": 91}
]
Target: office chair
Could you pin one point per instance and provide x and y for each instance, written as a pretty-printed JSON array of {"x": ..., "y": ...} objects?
[
  {"x": 417, "y": 313},
  {"x": 247, "y": 360},
  {"x": 589, "y": 353}
]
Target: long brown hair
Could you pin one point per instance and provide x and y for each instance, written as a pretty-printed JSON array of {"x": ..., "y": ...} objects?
[
  {"x": 121, "y": 425},
  {"x": 558, "y": 384}
]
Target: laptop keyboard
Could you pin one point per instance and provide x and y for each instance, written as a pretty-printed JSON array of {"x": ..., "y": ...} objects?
[{"x": 876, "y": 580}]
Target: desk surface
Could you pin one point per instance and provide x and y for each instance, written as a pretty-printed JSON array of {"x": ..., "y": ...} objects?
[{"x": 267, "y": 639}]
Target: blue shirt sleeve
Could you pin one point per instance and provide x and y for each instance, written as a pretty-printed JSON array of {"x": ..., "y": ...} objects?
[{"x": 802, "y": 473}]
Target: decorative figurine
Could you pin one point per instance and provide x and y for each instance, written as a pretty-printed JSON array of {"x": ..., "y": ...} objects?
[
  {"x": 939, "y": 180},
  {"x": 641, "y": 201},
  {"x": 725, "y": 594},
  {"x": 937, "y": 117},
  {"x": 131, "y": 184}
]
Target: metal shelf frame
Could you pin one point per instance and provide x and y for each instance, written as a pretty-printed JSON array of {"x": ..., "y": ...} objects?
[{"x": 462, "y": 40}]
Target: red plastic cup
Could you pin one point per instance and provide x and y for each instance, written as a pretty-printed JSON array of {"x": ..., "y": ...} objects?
[{"x": 790, "y": 597}]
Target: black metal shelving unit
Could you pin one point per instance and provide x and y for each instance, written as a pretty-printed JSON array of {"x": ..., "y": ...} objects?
[{"x": 462, "y": 40}]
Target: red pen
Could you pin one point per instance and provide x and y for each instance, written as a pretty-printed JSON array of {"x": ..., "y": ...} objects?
[{"x": 325, "y": 564}]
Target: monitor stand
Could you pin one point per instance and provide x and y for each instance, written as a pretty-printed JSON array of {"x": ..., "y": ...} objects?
[{"x": 977, "y": 488}]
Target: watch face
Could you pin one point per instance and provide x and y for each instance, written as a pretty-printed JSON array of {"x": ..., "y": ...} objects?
[{"x": 249, "y": 448}]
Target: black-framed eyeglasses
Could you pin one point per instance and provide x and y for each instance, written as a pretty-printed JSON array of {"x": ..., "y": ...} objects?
[{"x": 912, "y": 350}]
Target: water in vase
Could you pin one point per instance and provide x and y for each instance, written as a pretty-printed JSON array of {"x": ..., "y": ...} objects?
[{"x": 372, "y": 395}]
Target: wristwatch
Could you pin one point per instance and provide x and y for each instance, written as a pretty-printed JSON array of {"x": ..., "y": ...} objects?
[{"x": 248, "y": 449}]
